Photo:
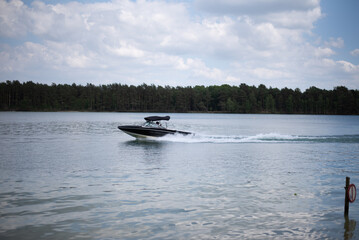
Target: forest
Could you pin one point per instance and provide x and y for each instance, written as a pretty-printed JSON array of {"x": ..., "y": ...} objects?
[{"x": 30, "y": 96}]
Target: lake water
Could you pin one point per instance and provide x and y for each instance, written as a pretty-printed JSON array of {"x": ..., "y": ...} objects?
[{"x": 76, "y": 176}]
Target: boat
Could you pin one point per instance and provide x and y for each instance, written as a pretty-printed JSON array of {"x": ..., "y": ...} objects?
[{"x": 153, "y": 127}]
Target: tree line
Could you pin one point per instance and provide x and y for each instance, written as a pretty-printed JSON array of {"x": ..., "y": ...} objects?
[{"x": 30, "y": 96}]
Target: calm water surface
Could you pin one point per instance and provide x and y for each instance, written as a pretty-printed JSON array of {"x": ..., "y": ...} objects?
[{"x": 76, "y": 176}]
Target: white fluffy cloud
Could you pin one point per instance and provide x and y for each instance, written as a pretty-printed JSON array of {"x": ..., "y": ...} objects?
[
  {"x": 355, "y": 52},
  {"x": 163, "y": 42}
]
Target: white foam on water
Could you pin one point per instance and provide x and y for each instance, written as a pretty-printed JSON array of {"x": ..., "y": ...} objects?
[
  {"x": 258, "y": 138},
  {"x": 201, "y": 138}
]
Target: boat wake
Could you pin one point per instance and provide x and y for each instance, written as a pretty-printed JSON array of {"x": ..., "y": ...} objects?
[{"x": 259, "y": 138}]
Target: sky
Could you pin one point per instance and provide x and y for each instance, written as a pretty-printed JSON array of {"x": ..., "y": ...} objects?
[{"x": 278, "y": 43}]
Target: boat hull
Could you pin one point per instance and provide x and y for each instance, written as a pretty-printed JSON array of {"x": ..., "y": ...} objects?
[{"x": 144, "y": 132}]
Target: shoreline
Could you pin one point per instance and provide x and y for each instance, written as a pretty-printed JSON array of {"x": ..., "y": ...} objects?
[{"x": 169, "y": 112}]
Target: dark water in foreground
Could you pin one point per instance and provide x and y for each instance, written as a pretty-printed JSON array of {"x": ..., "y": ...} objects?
[{"x": 75, "y": 176}]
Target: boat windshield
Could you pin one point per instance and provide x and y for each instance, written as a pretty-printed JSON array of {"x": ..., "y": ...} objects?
[{"x": 151, "y": 124}]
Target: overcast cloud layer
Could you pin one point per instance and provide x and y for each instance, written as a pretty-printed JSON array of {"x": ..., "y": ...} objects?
[{"x": 204, "y": 42}]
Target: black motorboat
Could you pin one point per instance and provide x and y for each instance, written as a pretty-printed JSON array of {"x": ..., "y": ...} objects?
[{"x": 153, "y": 127}]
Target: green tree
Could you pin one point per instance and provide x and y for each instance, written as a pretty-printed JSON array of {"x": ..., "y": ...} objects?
[
  {"x": 270, "y": 104},
  {"x": 30, "y": 96}
]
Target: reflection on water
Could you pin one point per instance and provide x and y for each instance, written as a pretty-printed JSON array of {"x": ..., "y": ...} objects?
[
  {"x": 144, "y": 143},
  {"x": 349, "y": 227}
]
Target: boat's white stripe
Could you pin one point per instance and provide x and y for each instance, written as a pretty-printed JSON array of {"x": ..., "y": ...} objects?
[{"x": 136, "y": 135}]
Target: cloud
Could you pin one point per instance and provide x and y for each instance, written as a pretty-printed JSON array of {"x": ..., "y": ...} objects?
[
  {"x": 266, "y": 73},
  {"x": 355, "y": 52},
  {"x": 168, "y": 42},
  {"x": 10, "y": 21},
  {"x": 200, "y": 69},
  {"x": 294, "y": 19},
  {"x": 337, "y": 43},
  {"x": 254, "y": 7},
  {"x": 126, "y": 50},
  {"x": 348, "y": 67},
  {"x": 323, "y": 52},
  {"x": 292, "y": 14}
]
